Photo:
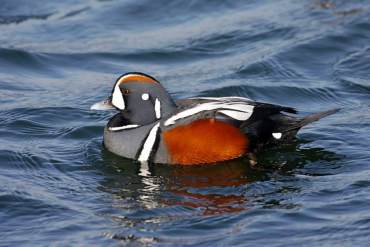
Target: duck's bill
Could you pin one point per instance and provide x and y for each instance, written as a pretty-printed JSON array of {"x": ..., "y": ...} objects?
[{"x": 103, "y": 105}]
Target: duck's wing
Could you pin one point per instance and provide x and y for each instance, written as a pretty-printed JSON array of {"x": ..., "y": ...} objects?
[
  {"x": 260, "y": 122},
  {"x": 236, "y": 110}
]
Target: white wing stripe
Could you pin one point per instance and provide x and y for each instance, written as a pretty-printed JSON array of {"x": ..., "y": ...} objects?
[
  {"x": 222, "y": 99},
  {"x": 209, "y": 107},
  {"x": 241, "y": 116}
]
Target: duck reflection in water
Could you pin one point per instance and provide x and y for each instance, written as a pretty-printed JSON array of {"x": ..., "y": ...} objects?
[
  {"x": 210, "y": 189},
  {"x": 206, "y": 190}
]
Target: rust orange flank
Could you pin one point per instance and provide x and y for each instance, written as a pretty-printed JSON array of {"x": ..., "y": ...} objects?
[{"x": 204, "y": 141}]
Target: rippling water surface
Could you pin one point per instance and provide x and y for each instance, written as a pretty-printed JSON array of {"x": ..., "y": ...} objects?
[{"x": 58, "y": 185}]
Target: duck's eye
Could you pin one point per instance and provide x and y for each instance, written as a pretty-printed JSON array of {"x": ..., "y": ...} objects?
[{"x": 125, "y": 91}]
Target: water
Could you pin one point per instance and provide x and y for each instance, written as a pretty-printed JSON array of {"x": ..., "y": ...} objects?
[{"x": 58, "y": 186}]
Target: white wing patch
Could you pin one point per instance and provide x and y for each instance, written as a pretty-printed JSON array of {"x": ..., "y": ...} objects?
[
  {"x": 277, "y": 135},
  {"x": 149, "y": 143},
  {"x": 237, "y": 110},
  {"x": 238, "y": 115}
]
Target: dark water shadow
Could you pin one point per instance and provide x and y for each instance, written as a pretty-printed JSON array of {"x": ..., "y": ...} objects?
[{"x": 295, "y": 158}]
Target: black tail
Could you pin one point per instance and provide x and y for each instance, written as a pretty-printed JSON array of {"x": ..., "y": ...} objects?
[
  {"x": 277, "y": 128},
  {"x": 311, "y": 118},
  {"x": 289, "y": 126},
  {"x": 317, "y": 116}
]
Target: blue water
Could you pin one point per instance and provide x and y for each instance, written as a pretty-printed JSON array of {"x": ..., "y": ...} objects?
[{"x": 58, "y": 186}]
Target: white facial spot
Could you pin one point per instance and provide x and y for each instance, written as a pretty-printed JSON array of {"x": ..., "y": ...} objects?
[
  {"x": 145, "y": 96},
  {"x": 117, "y": 98},
  {"x": 277, "y": 135}
]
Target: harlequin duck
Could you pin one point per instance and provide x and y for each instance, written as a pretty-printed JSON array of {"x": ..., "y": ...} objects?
[{"x": 151, "y": 127}]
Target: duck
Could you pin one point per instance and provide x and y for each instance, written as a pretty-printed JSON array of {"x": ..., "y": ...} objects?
[{"x": 150, "y": 126}]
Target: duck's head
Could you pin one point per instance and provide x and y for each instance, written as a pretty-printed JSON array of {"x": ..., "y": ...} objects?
[{"x": 139, "y": 98}]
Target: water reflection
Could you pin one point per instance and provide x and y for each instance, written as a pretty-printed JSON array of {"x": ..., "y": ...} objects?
[
  {"x": 208, "y": 189},
  {"x": 296, "y": 158}
]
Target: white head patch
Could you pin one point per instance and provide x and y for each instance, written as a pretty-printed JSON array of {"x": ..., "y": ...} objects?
[
  {"x": 145, "y": 96},
  {"x": 117, "y": 98}
]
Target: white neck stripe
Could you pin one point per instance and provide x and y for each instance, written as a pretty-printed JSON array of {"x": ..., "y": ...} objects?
[
  {"x": 149, "y": 143},
  {"x": 130, "y": 126},
  {"x": 157, "y": 108}
]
